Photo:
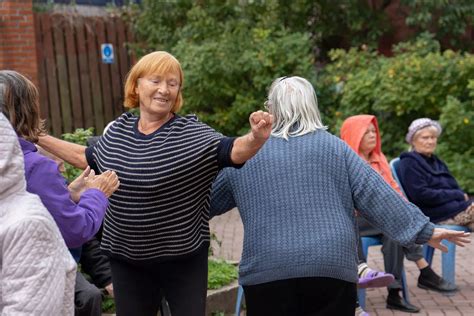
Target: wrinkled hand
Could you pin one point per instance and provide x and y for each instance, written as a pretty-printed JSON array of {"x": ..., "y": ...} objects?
[
  {"x": 110, "y": 289},
  {"x": 78, "y": 186},
  {"x": 261, "y": 124},
  {"x": 106, "y": 182},
  {"x": 456, "y": 237}
]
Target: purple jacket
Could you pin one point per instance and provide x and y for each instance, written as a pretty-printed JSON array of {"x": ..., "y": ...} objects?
[{"x": 79, "y": 222}]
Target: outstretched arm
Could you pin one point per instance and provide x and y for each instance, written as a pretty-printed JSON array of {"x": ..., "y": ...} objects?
[
  {"x": 457, "y": 237},
  {"x": 245, "y": 147},
  {"x": 72, "y": 153}
]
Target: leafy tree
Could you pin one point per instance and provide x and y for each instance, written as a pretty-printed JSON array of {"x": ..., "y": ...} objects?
[
  {"x": 447, "y": 20},
  {"x": 230, "y": 54},
  {"x": 80, "y": 137}
]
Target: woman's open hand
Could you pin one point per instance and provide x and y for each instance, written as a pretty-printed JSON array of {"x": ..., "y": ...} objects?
[
  {"x": 459, "y": 238},
  {"x": 78, "y": 186},
  {"x": 106, "y": 182}
]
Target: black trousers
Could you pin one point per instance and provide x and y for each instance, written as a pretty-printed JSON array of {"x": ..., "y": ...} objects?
[
  {"x": 301, "y": 296},
  {"x": 139, "y": 288},
  {"x": 87, "y": 298},
  {"x": 95, "y": 263}
]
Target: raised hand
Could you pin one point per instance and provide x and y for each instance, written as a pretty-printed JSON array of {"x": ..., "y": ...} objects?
[
  {"x": 106, "y": 182},
  {"x": 457, "y": 237},
  {"x": 78, "y": 186},
  {"x": 261, "y": 125}
]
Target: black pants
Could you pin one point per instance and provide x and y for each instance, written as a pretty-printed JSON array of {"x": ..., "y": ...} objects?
[
  {"x": 95, "y": 263},
  {"x": 87, "y": 298},
  {"x": 139, "y": 289},
  {"x": 302, "y": 297}
]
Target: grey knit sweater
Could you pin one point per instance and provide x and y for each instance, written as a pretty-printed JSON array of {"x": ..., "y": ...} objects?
[{"x": 297, "y": 199}]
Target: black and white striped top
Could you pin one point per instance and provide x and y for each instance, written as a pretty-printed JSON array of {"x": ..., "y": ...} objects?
[{"x": 161, "y": 209}]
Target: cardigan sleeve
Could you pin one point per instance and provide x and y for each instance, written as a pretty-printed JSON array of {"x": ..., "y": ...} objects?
[
  {"x": 416, "y": 185},
  {"x": 222, "y": 199},
  {"x": 77, "y": 222},
  {"x": 383, "y": 207}
]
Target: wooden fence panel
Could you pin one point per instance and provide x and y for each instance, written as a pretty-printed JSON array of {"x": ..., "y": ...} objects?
[
  {"x": 116, "y": 92},
  {"x": 50, "y": 76},
  {"x": 94, "y": 60},
  {"x": 74, "y": 77},
  {"x": 63, "y": 78},
  {"x": 43, "y": 86},
  {"x": 105, "y": 75},
  {"x": 84, "y": 75},
  {"x": 76, "y": 88}
]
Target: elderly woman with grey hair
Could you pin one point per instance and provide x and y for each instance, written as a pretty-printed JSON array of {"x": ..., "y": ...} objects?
[
  {"x": 427, "y": 181},
  {"x": 297, "y": 197}
]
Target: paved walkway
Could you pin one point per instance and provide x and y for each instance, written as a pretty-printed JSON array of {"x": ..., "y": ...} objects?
[{"x": 229, "y": 231}]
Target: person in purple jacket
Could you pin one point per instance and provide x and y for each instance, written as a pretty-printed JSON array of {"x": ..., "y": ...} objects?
[
  {"x": 427, "y": 181},
  {"x": 77, "y": 212},
  {"x": 77, "y": 209}
]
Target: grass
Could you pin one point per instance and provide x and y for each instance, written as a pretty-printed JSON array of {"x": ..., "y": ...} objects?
[{"x": 220, "y": 273}]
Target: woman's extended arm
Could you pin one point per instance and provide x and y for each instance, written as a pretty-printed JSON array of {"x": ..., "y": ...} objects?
[
  {"x": 72, "y": 153},
  {"x": 245, "y": 147}
]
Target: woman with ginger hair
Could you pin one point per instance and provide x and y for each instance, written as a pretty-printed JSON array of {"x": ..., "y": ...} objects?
[{"x": 156, "y": 230}]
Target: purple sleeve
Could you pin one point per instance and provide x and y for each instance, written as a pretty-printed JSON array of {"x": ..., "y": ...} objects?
[{"x": 77, "y": 222}]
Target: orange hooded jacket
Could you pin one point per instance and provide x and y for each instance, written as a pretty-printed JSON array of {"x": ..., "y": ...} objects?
[{"x": 352, "y": 132}]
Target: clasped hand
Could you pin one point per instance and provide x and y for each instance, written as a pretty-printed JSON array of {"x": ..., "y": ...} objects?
[{"x": 106, "y": 182}]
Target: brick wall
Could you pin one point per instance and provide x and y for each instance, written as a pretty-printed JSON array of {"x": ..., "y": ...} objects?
[{"x": 17, "y": 38}]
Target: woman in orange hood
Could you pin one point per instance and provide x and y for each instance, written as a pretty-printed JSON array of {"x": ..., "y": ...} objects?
[{"x": 361, "y": 133}]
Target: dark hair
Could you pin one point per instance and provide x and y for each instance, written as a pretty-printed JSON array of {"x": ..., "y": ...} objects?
[{"x": 19, "y": 101}]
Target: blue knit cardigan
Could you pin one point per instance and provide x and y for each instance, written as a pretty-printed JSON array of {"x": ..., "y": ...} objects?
[{"x": 297, "y": 199}]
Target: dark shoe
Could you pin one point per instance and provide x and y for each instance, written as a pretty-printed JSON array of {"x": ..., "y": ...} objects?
[
  {"x": 436, "y": 284},
  {"x": 395, "y": 301}
]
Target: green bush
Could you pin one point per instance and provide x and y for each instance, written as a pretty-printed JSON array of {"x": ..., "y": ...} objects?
[
  {"x": 418, "y": 81},
  {"x": 80, "y": 137},
  {"x": 220, "y": 273}
]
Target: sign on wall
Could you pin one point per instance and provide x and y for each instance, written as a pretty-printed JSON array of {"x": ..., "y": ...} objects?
[{"x": 107, "y": 51}]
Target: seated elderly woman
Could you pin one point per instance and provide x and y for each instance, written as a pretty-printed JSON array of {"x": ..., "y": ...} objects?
[
  {"x": 37, "y": 272},
  {"x": 427, "y": 181},
  {"x": 361, "y": 133}
]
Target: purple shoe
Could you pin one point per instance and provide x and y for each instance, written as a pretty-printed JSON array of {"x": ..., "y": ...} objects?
[
  {"x": 375, "y": 279},
  {"x": 360, "y": 312}
]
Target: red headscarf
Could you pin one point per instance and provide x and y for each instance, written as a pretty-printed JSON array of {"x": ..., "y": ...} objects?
[{"x": 352, "y": 132}]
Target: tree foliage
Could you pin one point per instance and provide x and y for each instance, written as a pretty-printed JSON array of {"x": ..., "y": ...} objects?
[
  {"x": 447, "y": 20},
  {"x": 230, "y": 54},
  {"x": 232, "y": 50}
]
